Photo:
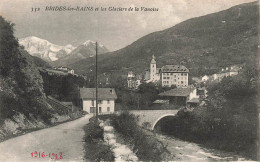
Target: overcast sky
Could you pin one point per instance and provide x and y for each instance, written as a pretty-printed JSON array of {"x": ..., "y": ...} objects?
[{"x": 113, "y": 29}]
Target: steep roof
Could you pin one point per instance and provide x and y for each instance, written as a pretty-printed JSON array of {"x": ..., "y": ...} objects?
[
  {"x": 103, "y": 93},
  {"x": 153, "y": 61},
  {"x": 181, "y": 91},
  {"x": 174, "y": 68}
]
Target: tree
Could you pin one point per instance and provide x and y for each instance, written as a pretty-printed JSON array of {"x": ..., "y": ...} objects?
[{"x": 21, "y": 84}]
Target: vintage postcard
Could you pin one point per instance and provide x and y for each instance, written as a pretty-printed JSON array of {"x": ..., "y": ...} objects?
[{"x": 129, "y": 80}]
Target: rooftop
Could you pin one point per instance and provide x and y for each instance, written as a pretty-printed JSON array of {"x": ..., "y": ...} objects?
[
  {"x": 230, "y": 69},
  {"x": 181, "y": 91},
  {"x": 103, "y": 93},
  {"x": 194, "y": 100},
  {"x": 161, "y": 101},
  {"x": 56, "y": 72},
  {"x": 174, "y": 68}
]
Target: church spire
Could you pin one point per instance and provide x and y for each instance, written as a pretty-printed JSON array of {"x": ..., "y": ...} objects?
[{"x": 153, "y": 60}]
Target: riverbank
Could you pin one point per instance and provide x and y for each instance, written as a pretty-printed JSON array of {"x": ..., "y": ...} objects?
[{"x": 187, "y": 151}]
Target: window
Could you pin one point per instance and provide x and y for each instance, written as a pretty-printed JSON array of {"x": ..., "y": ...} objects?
[
  {"x": 171, "y": 73},
  {"x": 164, "y": 77},
  {"x": 181, "y": 82},
  {"x": 92, "y": 103},
  {"x": 181, "y": 74},
  {"x": 100, "y": 101},
  {"x": 108, "y": 101},
  {"x": 108, "y": 109},
  {"x": 92, "y": 109},
  {"x": 168, "y": 77},
  {"x": 99, "y": 109}
]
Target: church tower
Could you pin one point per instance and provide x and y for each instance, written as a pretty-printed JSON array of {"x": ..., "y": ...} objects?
[{"x": 153, "y": 69}]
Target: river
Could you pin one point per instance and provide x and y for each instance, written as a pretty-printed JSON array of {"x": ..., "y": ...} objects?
[{"x": 187, "y": 151}]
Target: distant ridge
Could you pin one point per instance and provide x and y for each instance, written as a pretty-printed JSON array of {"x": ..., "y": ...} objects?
[
  {"x": 83, "y": 51},
  {"x": 203, "y": 44}
]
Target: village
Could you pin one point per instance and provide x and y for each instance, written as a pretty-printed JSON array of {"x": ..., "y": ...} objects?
[
  {"x": 179, "y": 93},
  {"x": 175, "y": 81}
]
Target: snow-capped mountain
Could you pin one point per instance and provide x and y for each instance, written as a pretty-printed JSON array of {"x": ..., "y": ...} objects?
[
  {"x": 44, "y": 49},
  {"x": 83, "y": 51},
  {"x": 60, "y": 55}
]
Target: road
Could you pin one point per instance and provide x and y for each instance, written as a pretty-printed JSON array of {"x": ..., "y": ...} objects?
[{"x": 65, "y": 140}]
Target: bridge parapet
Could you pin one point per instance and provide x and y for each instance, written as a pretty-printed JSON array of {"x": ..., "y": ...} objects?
[{"x": 149, "y": 118}]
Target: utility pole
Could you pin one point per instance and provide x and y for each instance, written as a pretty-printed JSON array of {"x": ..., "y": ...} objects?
[{"x": 96, "y": 83}]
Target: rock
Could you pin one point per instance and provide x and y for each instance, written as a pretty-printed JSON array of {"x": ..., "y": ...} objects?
[
  {"x": 108, "y": 129},
  {"x": 122, "y": 150},
  {"x": 101, "y": 124},
  {"x": 119, "y": 159},
  {"x": 111, "y": 141},
  {"x": 109, "y": 136},
  {"x": 115, "y": 146}
]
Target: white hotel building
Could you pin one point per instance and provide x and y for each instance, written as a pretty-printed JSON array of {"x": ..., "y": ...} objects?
[{"x": 168, "y": 75}]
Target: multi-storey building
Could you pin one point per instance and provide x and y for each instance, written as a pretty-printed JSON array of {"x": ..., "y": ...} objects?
[
  {"x": 174, "y": 75},
  {"x": 133, "y": 81},
  {"x": 168, "y": 75}
]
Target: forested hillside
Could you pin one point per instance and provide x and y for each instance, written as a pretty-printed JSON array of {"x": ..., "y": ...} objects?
[
  {"x": 21, "y": 85},
  {"x": 64, "y": 87},
  {"x": 204, "y": 44}
]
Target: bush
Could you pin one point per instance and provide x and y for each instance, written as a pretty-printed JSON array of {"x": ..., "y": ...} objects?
[
  {"x": 95, "y": 149},
  {"x": 98, "y": 152},
  {"x": 125, "y": 123},
  {"x": 146, "y": 146},
  {"x": 93, "y": 132}
]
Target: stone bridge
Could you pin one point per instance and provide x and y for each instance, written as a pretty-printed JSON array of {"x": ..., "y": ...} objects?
[{"x": 149, "y": 118}]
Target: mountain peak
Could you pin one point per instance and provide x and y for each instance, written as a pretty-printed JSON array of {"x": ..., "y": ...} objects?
[
  {"x": 33, "y": 38},
  {"x": 90, "y": 42},
  {"x": 44, "y": 49}
]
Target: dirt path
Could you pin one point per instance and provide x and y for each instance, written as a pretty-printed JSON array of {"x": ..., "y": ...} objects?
[{"x": 65, "y": 140}]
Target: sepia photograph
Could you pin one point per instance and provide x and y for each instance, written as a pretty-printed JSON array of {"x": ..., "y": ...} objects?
[{"x": 129, "y": 80}]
